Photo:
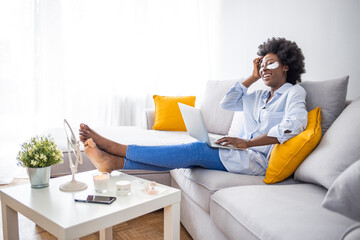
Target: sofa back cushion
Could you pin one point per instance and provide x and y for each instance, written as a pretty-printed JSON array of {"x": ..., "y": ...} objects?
[
  {"x": 337, "y": 150},
  {"x": 329, "y": 95},
  {"x": 217, "y": 120}
]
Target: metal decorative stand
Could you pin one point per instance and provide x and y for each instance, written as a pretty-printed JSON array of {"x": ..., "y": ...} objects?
[{"x": 73, "y": 147}]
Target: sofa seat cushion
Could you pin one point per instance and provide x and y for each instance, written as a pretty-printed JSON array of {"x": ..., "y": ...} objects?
[
  {"x": 199, "y": 184},
  {"x": 276, "y": 212}
]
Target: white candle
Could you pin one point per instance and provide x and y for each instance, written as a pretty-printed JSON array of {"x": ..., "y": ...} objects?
[{"x": 101, "y": 181}]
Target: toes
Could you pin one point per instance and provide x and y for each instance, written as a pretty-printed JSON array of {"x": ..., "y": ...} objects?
[
  {"x": 90, "y": 143},
  {"x": 83, "y": 126},
  {"x": 83, "y": 133},
  {"x": 82, "y": 139}
]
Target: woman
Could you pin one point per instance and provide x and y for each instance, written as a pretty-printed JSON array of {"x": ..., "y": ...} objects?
[{"x": 270, "y": 117}]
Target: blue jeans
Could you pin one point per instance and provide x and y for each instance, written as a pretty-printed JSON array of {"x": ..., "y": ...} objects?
[{"x": 164, "y": 158}]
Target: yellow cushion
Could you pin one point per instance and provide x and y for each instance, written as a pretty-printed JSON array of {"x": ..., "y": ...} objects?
[
  {"x": 167, "y": 112},
  {"x": 285, "y": 158}
]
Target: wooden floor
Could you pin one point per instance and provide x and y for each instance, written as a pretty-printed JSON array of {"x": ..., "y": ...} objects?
[{"x": 149, "y": 227}]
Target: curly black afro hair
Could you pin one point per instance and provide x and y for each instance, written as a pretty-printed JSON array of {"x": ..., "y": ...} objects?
[{"x": 289, "y": 54}]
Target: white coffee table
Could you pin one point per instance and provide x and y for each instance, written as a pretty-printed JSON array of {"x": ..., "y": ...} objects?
[{"x": 58, "y": 213}]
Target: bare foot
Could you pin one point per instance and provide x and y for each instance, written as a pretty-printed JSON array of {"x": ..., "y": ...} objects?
[
  {"x": 103, "y": 161},
  {"x": 104, "y": 144},
  {"x": 85, "y": 133}
]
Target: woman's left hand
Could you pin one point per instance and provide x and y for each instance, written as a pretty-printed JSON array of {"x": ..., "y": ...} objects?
[{"x": 236, "y": 142}]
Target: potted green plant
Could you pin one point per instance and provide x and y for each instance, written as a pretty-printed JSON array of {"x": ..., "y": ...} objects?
[{"x": 37, "y": 155}]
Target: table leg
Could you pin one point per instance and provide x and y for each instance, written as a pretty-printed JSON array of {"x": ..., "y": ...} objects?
[
  {"x": 10, "y": 222},
  {"x": 106, "y": 234},
  {"x": 172, "y": 222}
]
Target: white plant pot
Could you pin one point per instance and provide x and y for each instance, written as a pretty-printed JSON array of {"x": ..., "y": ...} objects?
[{"x": 39, "y": 177}]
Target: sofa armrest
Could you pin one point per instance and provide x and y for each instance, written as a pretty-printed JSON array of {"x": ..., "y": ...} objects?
[{"x": 149, "y": 118}]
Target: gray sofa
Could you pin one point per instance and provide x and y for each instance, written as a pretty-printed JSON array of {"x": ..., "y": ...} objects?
[{"x": 222, "y": 205}]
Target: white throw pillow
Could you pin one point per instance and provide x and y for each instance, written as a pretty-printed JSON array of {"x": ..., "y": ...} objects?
[
  {"x": 217, "y": 120},
  {"x": 344, "y": 195},
  {"x": 338, "y": 149}
]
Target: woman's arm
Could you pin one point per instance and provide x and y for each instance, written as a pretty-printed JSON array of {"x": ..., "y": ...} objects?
[
  {"x": 295, "y": 118},
  {"x": 244, "y": 144},
  {"x": 233, "y": 98},
  {"x": 255, "y": 74}
]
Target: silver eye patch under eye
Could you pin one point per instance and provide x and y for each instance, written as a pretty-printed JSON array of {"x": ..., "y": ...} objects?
[{"x": 273, "y": 65}]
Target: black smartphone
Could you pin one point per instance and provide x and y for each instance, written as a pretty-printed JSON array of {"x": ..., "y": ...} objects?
[{"x": 97, "y": 199}]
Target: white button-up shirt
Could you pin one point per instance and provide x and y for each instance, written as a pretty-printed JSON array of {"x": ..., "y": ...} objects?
[{"x": 283, "y": 117}]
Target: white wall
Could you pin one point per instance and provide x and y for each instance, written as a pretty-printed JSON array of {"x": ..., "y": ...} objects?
[{"x": 328, "y": 32}]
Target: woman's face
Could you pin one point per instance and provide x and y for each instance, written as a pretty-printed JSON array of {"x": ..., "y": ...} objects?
[{"x": 272, "y": 71}]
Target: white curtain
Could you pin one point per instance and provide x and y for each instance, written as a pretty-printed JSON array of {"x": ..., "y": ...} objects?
[
  {"x": 16, "y": 81},
  {"x": 97, "y": 61}
]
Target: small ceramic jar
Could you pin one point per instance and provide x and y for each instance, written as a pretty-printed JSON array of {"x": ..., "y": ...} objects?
[{"x": 123, "y": 188}]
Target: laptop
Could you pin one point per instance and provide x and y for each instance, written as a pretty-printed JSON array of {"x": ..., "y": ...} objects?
[{"x": 196, "y": 128}]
